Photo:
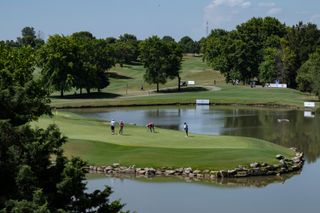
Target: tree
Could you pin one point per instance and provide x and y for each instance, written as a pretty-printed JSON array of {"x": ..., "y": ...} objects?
[
  {"x": 241, "y": 51},
  {"x": 271, "y": 67},
  {"x": 301, "y": 40},
  {"x": 127, "y": 49},
  {"x": 93, "y": 58},
  {"x": 28, "y": 37},
  {"x": 57, "y": 60},
  {"x": 168, "y": 38},
  {"x": 308, "y": 77},
  {"x": 187, "y": 45},
  {"x": 161, "y": 59},
  {"x": 35, "y": 176},
  {"x": 16, "y": 74}
]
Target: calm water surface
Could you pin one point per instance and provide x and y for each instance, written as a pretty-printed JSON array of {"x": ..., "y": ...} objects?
[{"x": 299, "y": 193}]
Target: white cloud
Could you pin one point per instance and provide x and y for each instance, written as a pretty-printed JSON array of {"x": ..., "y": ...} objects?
[
  {"x": 222, "y": 12},
  {"x": 267, "y": 4},
  {"x": 230, "y": 3},
  {"x": 274, "y": 11},
  {"x": 228, "y": 13}
]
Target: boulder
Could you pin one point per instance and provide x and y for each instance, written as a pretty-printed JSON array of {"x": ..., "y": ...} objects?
[
  {"x": 115, "y": 165},
  {"x": 151, "y": 172},
  {"x": 196, "y": 172},
  {"x": 191, "y": 175},
  {"x": 169, "y": 172},
  {"x": 241, "y": 174},
  {"x": 254, "y": 165},
  {"x": 223, "y": 173},
  {"x": 141, "y": 172},
  {"x": 99, "y": 169},
  {"x": 179, "y": 171},
  {"x": 279, "y": 157}
]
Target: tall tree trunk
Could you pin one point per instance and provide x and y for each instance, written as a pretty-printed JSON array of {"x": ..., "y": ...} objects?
[
  {"x": 61, "y": 92},
  {"x": 88, "y": 90},
  {"x": 179, "y": 82},
  {"x": 81, "y": 90},
  {"x": 157, "y": 86}
]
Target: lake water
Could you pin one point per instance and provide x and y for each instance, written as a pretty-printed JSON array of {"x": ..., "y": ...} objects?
[{"x": 290, "y": 128}]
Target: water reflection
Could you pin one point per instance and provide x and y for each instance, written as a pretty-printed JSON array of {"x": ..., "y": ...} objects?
[{"x": 257, "y": 182}]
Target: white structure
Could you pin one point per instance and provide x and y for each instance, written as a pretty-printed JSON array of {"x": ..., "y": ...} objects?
[
  {"x": 202, "y": 102},
  {"x": 277, "y": 85},
  {"x": 309, "y": 104},
  {"x": 191, "y": 83},
  {"x": 308, "y": 114}
]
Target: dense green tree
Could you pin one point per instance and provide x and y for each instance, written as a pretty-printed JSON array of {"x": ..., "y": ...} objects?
[
  {"x": 301, "y": 40},
  {"x": 93, "y": 58},
  {"x": 161, "y": 59},
  {"x": 271, "y": 68},
  {"x": 187, "y": 45},
  {"x": 83, "y": 41},
  {"x": 240, "y": 52},
  {"x": 29, "y": 179},
  {"x": 57, "y": 59},
  {"x": 111, "y": 40},
  {"x": 16, "y": 72},
  {"x": 168, "y": 38},
  {"x": 308, "y": 77},
  {"x": 127, "y": 49},
  {"x": 100, "y": 59},
  {"x": 29, "y": 37}
]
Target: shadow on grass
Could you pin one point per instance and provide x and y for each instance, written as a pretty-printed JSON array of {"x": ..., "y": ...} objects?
[
  {"x": 92, "y": 95},
  {"x": 117, "y": 76},
  {"x": 183, "y": 89}
]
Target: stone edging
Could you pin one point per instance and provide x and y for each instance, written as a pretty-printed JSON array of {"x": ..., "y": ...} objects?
[{"x": 254, "y": 169}]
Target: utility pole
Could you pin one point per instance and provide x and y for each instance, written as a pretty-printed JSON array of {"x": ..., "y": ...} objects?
[{"x": 207, "y": 29}]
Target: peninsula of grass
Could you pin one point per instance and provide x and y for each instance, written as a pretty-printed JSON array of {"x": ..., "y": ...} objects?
[{"x": 92, "y": 141}]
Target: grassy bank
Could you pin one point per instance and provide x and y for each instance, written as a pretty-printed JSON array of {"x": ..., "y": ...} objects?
[
  {"x": 125, "y": 90},
  {"x": 226, "y": 95},
  {"x": 91, "y": 140}
]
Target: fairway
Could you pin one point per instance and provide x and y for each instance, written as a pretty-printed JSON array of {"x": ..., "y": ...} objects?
[
  {"x": 92, "y": 140},
  {"x": 125, "y": 90}
]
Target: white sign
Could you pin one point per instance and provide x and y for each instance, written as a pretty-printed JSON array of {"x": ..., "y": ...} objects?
[
  {"x": 309, "y": 104},
  {"x": 308, "y": 114},
  {"x": 277, "y": 85},
  {"x": 191, "y": 82},
  {"x": 202, "y": 102}
]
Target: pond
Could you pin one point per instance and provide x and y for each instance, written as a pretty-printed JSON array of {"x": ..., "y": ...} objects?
[{"x": 290, "y": 128}]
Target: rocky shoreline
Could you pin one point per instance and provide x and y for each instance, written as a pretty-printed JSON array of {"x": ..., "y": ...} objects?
[{"x": 254, "y": 169}]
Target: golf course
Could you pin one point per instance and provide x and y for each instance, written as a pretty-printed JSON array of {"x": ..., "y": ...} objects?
[
  {"x": 125, "y": 90},
  {"x": 92, "y": 140}
]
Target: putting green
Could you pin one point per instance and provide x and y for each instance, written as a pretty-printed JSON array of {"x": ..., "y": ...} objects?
[{"x": 92, "y": 140}]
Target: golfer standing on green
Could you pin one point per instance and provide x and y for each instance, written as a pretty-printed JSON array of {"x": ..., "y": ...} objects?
[
  {"x": 112, "y": 126},
  {"x": 186, "y": 128}
]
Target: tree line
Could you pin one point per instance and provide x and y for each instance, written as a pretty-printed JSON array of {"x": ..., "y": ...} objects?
[
  {"x": 80, "y": 61},
  {"x": 264, "y": 49}
]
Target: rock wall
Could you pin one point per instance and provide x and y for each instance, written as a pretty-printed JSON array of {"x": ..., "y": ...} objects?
[{"x": 254, "y": 169}]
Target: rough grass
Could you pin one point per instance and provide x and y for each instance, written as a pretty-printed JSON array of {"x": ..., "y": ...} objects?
[{"x": 91, "y": 140}]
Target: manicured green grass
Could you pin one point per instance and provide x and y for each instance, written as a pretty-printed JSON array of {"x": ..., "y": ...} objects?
[
  {"x": 227, "y": 95},
  {"x": 91, "y": 140},
  {"x": 125, "y": 84}
]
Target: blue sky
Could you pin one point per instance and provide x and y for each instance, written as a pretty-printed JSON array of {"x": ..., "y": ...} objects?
[{"x": 144, "y": 18}]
